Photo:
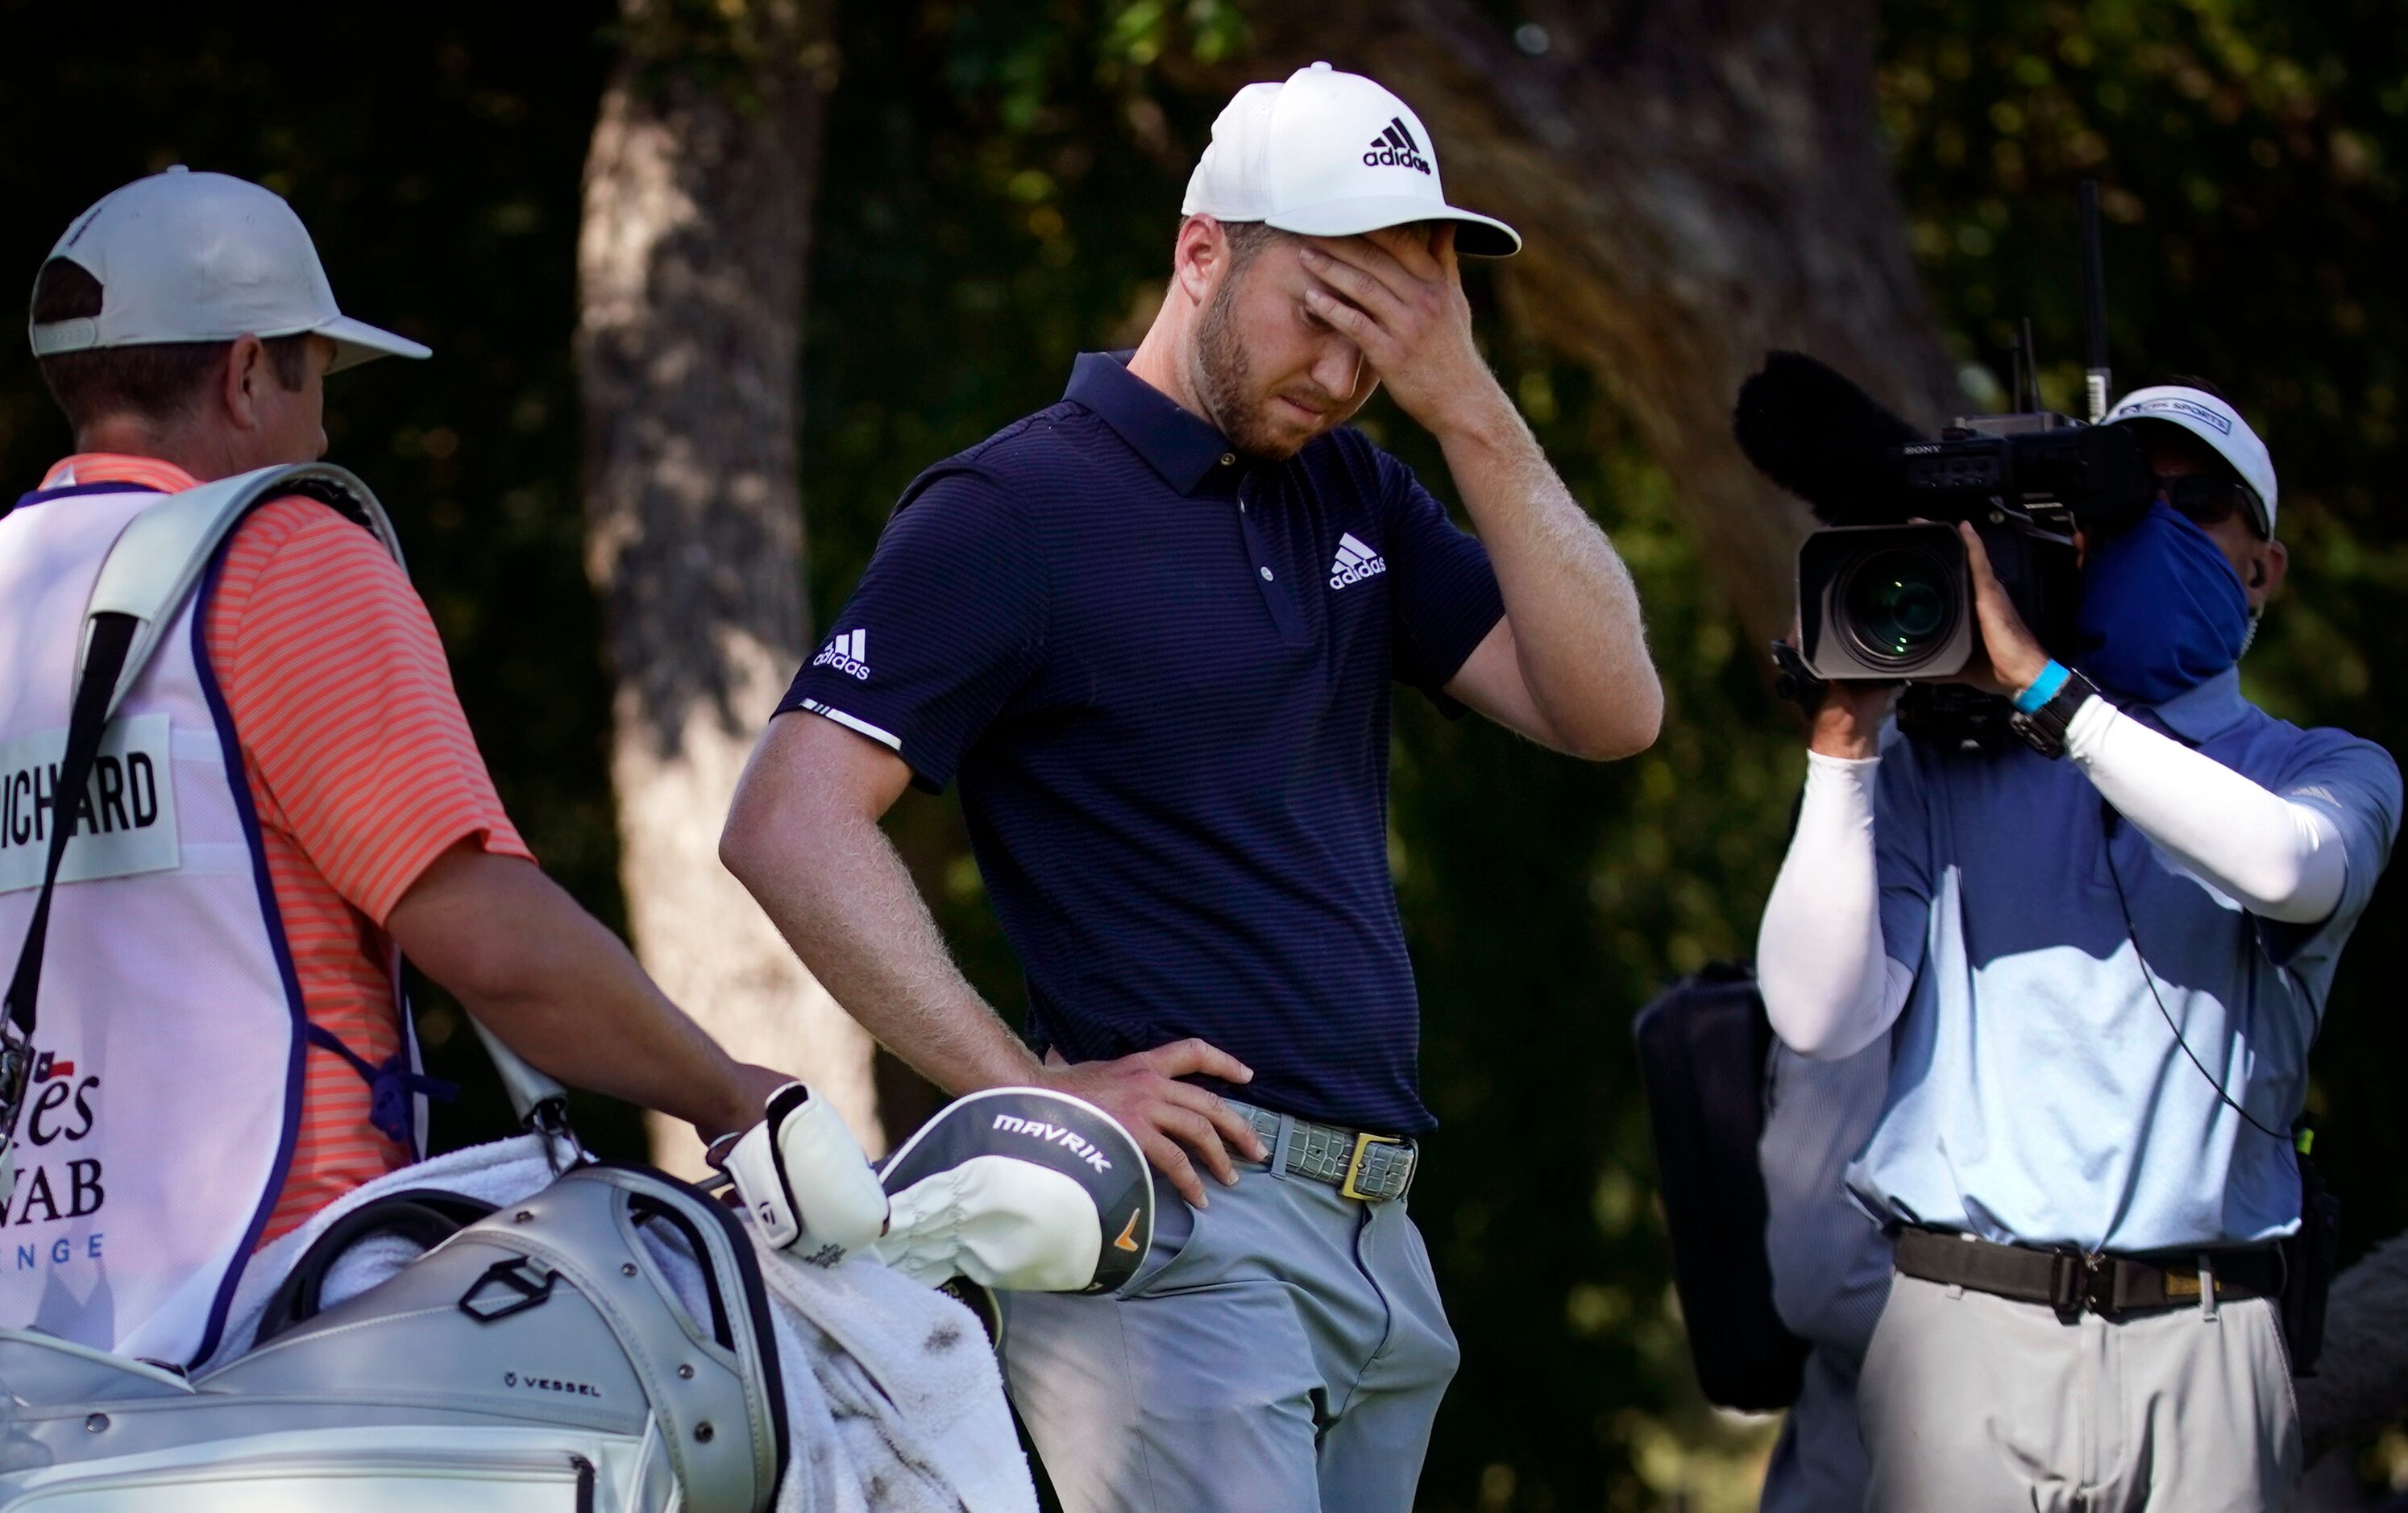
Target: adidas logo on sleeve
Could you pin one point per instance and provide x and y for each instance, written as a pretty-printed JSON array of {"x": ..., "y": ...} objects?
[
  {"x": 848, "y": 653},
  {"x": 1395, "y": 147},
  {"x": 1355, "y": 561}
]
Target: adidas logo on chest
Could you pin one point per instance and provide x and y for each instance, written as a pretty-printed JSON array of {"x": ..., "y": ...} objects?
[
  {"x": 848, "y": 653},
  {"x": 1355, "y": 561}
]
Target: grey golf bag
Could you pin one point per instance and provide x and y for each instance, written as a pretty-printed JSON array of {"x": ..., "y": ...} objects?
[{"x": 536, "y": 1359}]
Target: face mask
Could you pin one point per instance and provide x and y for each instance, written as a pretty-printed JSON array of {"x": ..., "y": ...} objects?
[{"x": 2161, "y": 609}]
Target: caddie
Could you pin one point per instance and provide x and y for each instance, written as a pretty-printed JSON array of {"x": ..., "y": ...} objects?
[
  {"x": 1153, "y": 630},
  {"x": 288, "y": 801}
]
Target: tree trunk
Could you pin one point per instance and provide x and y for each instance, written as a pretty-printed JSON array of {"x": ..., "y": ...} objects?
[
  {"x": 691, "y": 264},
  {"x": 1696, "y": 183}
]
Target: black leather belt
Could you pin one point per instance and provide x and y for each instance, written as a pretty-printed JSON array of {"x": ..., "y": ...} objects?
[
  {"x": 1376, "y": 1169},
  {"x": 2074, "y": 1281}
]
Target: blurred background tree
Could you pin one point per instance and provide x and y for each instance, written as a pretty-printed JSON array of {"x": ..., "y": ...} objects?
[
  {"x": 692, "y": 256},
  {"x": 998, "y": 185}
]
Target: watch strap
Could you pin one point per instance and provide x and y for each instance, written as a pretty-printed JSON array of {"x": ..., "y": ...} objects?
[
  {"x": 2042, "y": 722},
  {"x": 2043, "y": 688}
]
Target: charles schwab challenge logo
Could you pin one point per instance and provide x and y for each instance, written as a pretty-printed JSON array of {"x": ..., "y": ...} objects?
[
  {"x": 1053, "y": 1134},
  {"x": 53, "y": 1185},
  {"x": 849, "y": 654},
  {"x": 1395, "y": 147}
]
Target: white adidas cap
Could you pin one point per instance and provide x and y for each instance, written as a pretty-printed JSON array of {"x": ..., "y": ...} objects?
[
  {"x": 182, "y": 256},
  {"x": 2216, "y": 424},
  {"x": 1330, "y": 154}
]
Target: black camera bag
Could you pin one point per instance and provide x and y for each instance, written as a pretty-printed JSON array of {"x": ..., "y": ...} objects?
[
  {"x": 2308, "y": 1261},
  {"x": 1704, "y": 1048}
]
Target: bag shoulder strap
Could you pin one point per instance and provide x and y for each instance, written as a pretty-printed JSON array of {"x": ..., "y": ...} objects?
[{"x": 159, "y": 559}]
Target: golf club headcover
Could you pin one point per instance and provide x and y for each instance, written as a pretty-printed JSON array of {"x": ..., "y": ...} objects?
[
  {"x": 801, "y": 1174},
  {"x": 1022, "y": 1189}
]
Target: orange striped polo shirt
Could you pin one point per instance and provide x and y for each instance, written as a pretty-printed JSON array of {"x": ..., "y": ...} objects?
[{"x": 362, "y": 770}]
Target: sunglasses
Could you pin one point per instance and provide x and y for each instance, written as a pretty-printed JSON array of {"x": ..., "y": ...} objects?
[{"x": 2206, "y": 501}]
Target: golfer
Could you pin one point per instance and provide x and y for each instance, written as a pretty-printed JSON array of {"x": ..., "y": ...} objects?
[{"x": 1152, "y": 629}]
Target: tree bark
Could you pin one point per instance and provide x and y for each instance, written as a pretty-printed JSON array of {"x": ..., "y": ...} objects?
[
  {"x": 691, "y": 262},
  {"x": 1696, "y": 183}
]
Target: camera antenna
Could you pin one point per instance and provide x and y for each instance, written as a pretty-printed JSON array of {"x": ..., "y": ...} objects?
[{"x": 2094, "y": 304}]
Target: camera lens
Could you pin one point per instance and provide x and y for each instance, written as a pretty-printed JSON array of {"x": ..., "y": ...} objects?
[{"x": 1898, "y": 607}]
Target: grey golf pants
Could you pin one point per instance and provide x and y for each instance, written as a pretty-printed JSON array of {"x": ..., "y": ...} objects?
[
  {"x": 1972, "y": 1402},
  {"x": 1283, "y": 1349}
]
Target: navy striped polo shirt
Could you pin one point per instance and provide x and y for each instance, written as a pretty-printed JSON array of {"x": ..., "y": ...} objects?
[{"x": 1161, "y": 674}]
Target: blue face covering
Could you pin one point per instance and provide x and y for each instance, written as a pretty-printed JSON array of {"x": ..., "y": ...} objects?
[{"x": 2161, "y": 609}]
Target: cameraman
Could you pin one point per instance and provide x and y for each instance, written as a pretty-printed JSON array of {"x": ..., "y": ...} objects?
[{"x": 2104, "y": 973}]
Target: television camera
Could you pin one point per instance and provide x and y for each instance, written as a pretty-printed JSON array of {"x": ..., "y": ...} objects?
[{"x": 1885, "y": 589}]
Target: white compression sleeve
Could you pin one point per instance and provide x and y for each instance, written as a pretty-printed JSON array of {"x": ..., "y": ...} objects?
[
  {"x": 2278, "y": 860},
  {"x": 1830, "y": 987}
]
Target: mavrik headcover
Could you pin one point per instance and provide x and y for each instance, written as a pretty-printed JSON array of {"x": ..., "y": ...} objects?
[
  {"x": 803, "y": 1177},
  {"x": 1020, "y": 1189}
]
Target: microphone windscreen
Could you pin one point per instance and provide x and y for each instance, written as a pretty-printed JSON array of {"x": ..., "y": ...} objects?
[{"x": 1825, "y": 441}]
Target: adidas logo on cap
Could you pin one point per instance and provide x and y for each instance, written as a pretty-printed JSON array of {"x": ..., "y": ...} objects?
[
  {"x": 1355, "y": 561},
  {"x": 848, "y": 654},
  {"x": 1395, "y": 146}
]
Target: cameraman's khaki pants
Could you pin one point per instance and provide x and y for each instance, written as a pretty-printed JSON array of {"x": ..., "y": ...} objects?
[{"x": 1970, "y": 1403}]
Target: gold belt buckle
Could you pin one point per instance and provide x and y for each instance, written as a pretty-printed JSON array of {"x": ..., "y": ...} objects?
[{"x": 1363, "y": 1142}]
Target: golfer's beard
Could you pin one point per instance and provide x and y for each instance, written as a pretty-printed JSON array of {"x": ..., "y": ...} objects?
[{"x": 1225, "y": 381}]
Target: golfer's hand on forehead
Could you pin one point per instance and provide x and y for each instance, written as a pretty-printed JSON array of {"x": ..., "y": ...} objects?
[{"x": 1399, "y": 296}]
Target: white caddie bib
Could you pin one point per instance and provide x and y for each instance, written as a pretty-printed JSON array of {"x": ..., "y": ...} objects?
[{"x": 167, "y": 1075}]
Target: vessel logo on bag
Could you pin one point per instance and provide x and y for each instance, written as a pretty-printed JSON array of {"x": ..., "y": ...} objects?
[
  {"x": 126, "y": 816},
  {"x": 533, "y": 1383}
]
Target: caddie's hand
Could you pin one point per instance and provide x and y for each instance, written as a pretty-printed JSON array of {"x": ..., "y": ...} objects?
[
  {"x": 750, "y": 1088},
  {"x": 1399, "y": 296},
  {"x": 2014, "y": 657},
  {"x": 1165, "y": 1114}
]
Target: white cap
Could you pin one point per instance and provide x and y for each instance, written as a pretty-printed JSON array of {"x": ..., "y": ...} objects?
[
  {"x": 2216, "y": 424},
  {"x": 182, "y": 256},
  {"x": 1330, "y": 154}
]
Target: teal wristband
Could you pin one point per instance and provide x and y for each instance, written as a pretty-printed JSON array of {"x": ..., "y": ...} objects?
[{"x": 2043, "y": 688}]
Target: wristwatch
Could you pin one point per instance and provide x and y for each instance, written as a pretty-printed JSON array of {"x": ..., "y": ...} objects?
[{"x": 2041, "y": 712}]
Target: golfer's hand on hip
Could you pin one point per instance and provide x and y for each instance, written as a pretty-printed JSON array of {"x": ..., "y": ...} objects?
[{"x": 1170, "y": 1119}]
